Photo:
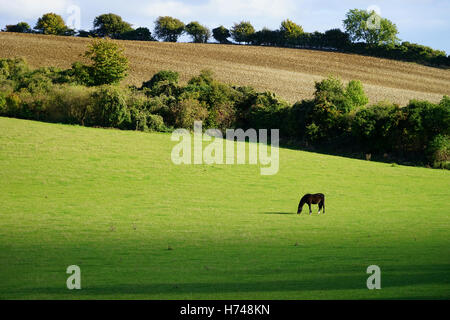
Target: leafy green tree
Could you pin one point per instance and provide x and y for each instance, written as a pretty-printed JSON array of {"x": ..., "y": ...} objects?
[
  {"x": 355, "y": 95},
  {"x": 140, "y": 34},
  {"x": 109, "y": 64},
  {"x": 267, "y": 37},
  {"x": 110, "y": 25},
  {"x": 221, "y": 34},
  {"x": 21, "y": 27},
  {"x": 290, "y": 32},
  {"x": 370, "y": 27},
  {"x": 332, "y": 94},
  {"x": 199, "y": 33},
  {"x": 242, "y": 32},
  {"x": 335, "y": 38},
  {"x": 52, "y": 23},
  {"x": 163, "y": 82},
  {"x": 168, "y": 29}
]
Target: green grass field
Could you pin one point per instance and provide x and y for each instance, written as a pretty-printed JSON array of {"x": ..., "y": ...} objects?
[{"x": 113, "y": 203}]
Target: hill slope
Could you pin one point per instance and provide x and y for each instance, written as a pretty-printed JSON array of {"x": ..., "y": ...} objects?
[
  {"x": 112, "y": 202},
  {"x": 288, "y": 72}
]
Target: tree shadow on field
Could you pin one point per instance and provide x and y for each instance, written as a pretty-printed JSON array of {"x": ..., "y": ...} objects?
[{"x": 393, "y": 278}]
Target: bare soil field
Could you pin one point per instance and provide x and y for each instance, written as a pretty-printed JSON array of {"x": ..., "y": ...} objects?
[{"x": 290, "y": 73}]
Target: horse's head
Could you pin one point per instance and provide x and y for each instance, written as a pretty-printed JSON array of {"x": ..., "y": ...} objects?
[{"x": 302, "y": 202}]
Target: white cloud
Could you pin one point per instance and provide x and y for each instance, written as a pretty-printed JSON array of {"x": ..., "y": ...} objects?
[
  {"x": 252, "y": 8},
  {"x": 221, "y": 8},
  {"x": 28, "y": 9},
  {"x": 168, "y": 8}
]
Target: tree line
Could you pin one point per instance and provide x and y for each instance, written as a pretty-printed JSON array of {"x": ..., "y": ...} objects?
[
  {"x": 337, "y": 119},
  {"x": 365, "y": 33}
]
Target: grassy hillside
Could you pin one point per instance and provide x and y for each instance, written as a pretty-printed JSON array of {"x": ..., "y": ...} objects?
[
  {"x": 113, "y": 203},
  {"x": 288, "y": 72}
]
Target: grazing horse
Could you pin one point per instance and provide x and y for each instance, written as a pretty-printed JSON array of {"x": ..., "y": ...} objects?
[{"x": 317, "y": 198}]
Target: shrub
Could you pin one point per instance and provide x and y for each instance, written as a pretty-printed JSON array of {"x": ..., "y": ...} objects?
[
  {"x": 109, "y": 107},
  {"x": 155, "y": 123},
  {"x": 438, "y": 151},
  {"x": 163, "y": 82},
  {"x": 13, "y": 69},
  {"x": 21, "y": 27},
  {"x": 37, "y": 81},
  {"x": 331, "y": 92},
  {"x": 143, "y": 120},
  {"x": 355, "y": 96},
  {"x": 13, "y": 105},
  {"x": 186, "y": 111},
  {"x": 81, "y": 74},
  {"x": 109, "y": 64},
  {"x": 375, "y": 127},
  {"x": 2, "y": 103},
  {"x": 70, "y": 104},
  {"x": 296, "y": 119}
]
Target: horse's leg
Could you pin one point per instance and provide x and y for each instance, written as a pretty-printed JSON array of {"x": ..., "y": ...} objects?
[
  {"x": 320, "y": 207},
  {"x": 309, "y": 204}
]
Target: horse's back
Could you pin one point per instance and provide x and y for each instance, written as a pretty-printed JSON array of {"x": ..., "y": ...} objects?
[{"x": 318, "y": 197}]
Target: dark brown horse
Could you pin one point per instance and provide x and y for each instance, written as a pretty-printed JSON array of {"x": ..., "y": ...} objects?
[{"x": 317, "y": 198}]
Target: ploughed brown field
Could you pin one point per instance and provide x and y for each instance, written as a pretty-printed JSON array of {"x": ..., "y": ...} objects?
[{"x": 288, "y": 72}]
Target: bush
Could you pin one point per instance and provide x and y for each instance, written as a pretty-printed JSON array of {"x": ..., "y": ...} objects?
[
  {"x": 163, "y": 82},
  {"x": 375, "y": 127},
  {"x": 109, "y": 64},
  {"x": 70, "y": 104},
  {"x": 331, "y": 92},
  {"x": 21, "y": 27},
  {"x": 13, "y": 105},
  {"x": 185, "y": 112},
  {"x": 109, "y": 107},
  {"x": 143, "y": 120},
  {"x": 155, "y": 123},
  {"x": 81, "y": 74},
  {"x": 13, "y": 69},
  {"x": 438, "y": 151},
  {"x": 2, "y": 103},
  {"x": 355, "y": 96}
]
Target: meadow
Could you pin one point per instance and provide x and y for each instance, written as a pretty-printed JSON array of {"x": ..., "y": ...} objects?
[
  {"x": 290, "y": 73},
  {"x": 140, "y": 227}
]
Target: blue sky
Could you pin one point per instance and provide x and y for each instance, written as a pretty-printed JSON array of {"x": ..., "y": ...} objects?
[{"x": 421, "y": 21}]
